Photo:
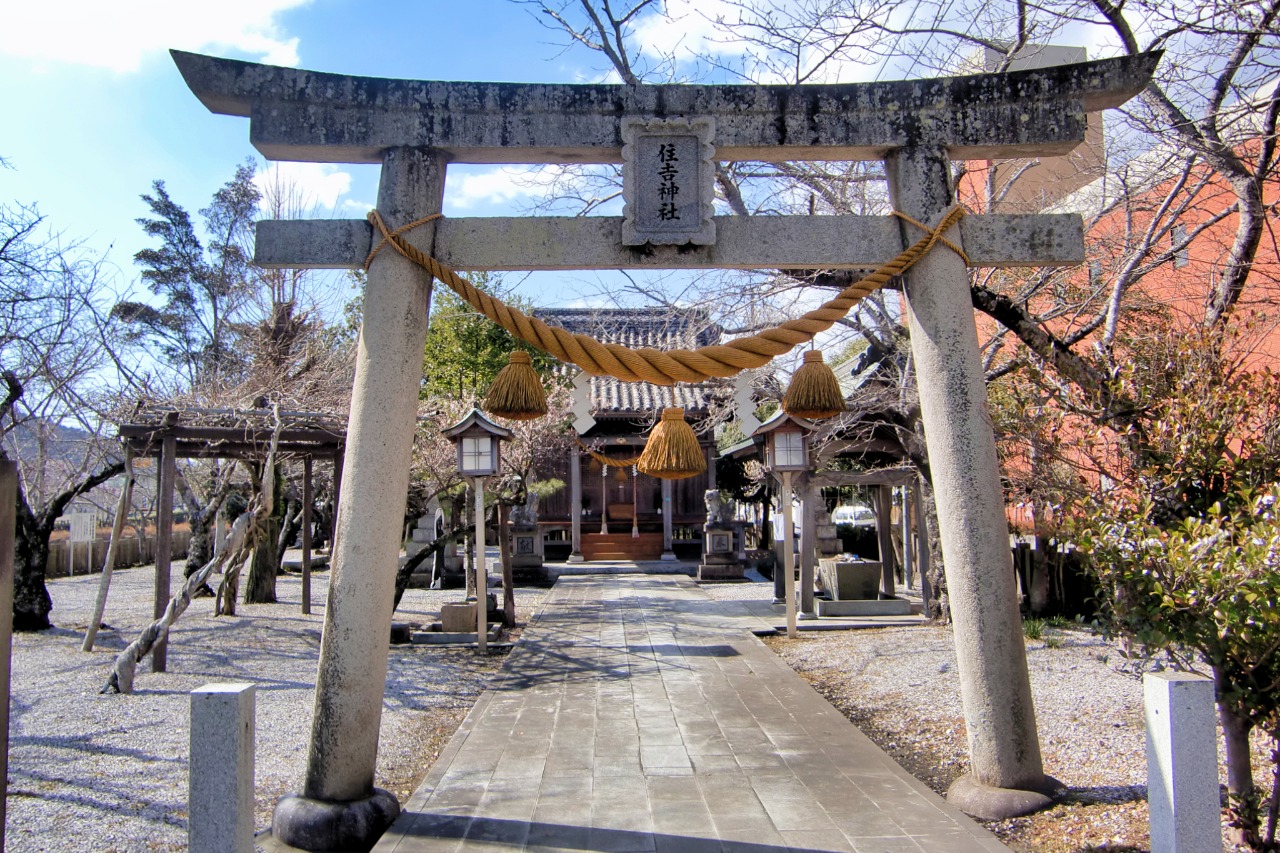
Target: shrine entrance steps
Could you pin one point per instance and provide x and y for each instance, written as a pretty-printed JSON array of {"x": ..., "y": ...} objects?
[
  {"x": 621, "y": 546},
  {"x": 637, "y": 714}
]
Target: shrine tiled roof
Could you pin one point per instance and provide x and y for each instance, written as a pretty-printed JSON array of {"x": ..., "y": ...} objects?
[{"x": 660, "y": 328}]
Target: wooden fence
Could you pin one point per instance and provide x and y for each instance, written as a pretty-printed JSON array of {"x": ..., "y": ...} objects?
[{"x": 130, "y": 552}]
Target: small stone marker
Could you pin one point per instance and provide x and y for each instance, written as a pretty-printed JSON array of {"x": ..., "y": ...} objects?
[
  {"x": 1182, "y": 763},
  {"x": 668, "y": 182},
  {"x": 221, "y": 771}
]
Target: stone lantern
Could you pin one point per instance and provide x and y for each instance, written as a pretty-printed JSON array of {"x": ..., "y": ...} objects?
[
  {"x": 786, "y": 441},
  {"x": 479, "y": 442}
]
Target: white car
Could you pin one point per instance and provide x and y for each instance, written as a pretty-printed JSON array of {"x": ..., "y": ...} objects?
[{"x": 858, "y": 516}]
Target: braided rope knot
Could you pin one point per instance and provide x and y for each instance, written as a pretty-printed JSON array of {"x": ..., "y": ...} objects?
[{"x": 659, "y": 367}]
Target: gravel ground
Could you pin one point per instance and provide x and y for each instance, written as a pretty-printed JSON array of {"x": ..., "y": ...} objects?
[
  {"x": 109, "y": 773},
  {"x": 900, "y": 686},
  {"x": 89, "y": 772}
]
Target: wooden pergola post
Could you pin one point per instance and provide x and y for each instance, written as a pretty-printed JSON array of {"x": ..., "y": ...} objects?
[
  {"x": 164, "y": 543},
  {"x": 306, "y": 535}
]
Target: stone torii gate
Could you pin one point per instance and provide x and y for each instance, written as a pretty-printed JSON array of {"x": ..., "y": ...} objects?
[{"x": 413, "y": 129}]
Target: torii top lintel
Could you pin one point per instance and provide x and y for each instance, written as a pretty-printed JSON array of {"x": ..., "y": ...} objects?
[{"x": 335, "y": 118}]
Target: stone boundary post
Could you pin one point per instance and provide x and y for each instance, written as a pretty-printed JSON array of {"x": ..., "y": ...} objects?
[
  {"x": 1182, "y": 763},
  {"x": 220, "y": 810}
]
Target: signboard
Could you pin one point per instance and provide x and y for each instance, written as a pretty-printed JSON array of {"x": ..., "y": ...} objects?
[
  {"x": 84, "y": 527},
  {"x": 668, "y": 182}
]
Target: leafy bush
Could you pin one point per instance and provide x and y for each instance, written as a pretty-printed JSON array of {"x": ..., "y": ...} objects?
[{"x": 1207, "y": 591}]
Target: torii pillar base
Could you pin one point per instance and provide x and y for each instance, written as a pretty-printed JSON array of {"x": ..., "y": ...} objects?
[
  {"x": 303, "y": 823},
  {"x": 987, "y": 803}
]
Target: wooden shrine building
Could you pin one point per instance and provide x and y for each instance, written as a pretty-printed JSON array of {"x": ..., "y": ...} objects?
[{"x": 616, "y": 513}]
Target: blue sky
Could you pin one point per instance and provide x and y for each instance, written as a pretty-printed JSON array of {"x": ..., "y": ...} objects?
[{"x": 95, "y": 110}]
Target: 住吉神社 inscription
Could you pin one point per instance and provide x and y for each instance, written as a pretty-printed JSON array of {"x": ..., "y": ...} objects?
[{"x": 668, "y": 175}]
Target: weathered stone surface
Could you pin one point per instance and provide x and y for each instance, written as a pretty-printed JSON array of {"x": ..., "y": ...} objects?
[
  {"x": 458, "y": 617},
  {"x": 354, "y": 825},
  {"x": 850, "y": 580},
  {"x": 335, "y": 118},
  {"x": 756, "y": 242},
  {"x": 986, "y": 803},
  {"x": 990, "y": 655},
  {"x": 668, "y": 182},
  {"x": 1182, "y": 762},
  {"x": 351, "y": 677},
  {"x": 868, "y": 607},
  {"x": 220, "y": 804}
]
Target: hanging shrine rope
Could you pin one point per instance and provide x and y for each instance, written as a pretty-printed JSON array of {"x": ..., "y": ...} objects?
[
  {"x": 611, "y": 461},
  {"x": 679, "y": 365}
]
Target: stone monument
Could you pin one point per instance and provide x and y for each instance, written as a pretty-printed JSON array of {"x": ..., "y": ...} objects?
[
  {"x": 719, "y": 556},
  {"x": 525, "y": 541}
]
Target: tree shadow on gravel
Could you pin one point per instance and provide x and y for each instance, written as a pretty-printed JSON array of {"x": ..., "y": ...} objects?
[{"x": 1108, "y": 795}]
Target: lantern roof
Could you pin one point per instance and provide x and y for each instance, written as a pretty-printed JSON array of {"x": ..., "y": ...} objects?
[
  {"x": 476, "y": 419},
  {"x": 781, "y": 419}
]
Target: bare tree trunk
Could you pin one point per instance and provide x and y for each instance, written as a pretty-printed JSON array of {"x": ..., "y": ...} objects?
[
  {"x": 289, "y": 527},
  {"x": 260, "y": 587},
  {"x": 31, "y": 601},
  {"x": 113, "y": 548},
  {"x": 1235, "y": 737}
]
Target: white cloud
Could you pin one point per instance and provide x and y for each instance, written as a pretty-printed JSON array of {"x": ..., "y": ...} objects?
[
  {"x": 501, "y": 185},
  {"x": 119, "y": 36},
  {"x": 304, "y": 188},
  {"x": 689, "y": 28},
  {"x": 355, "y": 206}
]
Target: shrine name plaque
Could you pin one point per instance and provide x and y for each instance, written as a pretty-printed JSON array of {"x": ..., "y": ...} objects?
[{"x": 668, "y": 181}]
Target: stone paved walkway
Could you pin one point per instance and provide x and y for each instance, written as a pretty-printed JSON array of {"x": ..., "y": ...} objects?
[{"x": 637, "y": 714}]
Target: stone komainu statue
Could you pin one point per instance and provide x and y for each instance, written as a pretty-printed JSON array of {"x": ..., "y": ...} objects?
[{"x": 719, "y": 511}]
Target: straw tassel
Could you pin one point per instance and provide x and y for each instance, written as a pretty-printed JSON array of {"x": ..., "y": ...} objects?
[
  {"x": 672, "y": 452},
  {"x": 516, "y": 392},
  {"x": 814, "y": 391}
]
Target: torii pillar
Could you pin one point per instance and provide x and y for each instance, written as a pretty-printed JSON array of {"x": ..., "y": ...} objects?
[
  {"x": 340, "y": 809},
  {"x": 1007, "y": 775}
]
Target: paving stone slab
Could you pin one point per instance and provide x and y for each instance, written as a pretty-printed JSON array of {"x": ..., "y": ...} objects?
[{"x": 638, "y": 715}]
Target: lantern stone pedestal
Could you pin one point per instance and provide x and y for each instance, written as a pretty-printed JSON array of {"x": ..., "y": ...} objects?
[
  {"x": 525, "y": 542},
  {"x": 719, "y": 559}
]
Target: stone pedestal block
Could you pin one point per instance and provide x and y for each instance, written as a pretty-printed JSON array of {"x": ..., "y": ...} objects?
[
  {"x": 458, "y": 618},
  {"x": 851, "y": 580},
  {"x": 1182, "y": 763},
  {"x": 221, "y": 774},
  {"x": 719, "y": 559}
]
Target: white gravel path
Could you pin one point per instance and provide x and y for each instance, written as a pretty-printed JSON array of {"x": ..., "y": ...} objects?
[
  {"x": 109, "y": 773},
  {"x": 89, "y": 772}
]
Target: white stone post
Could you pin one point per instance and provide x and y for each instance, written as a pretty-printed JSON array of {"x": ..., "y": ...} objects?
[
  {"x": 995, "y": 688},
  {"x": 808, "y": 548},
  {"x": 788, "y": 556},
  {"x": 482, "y": 572},
  {"x": 220, "y": 774},
  {"x": 575, "y": 506},
  {"x": 668, "y": 510},
  {"x": 1182, "y": 763},
  {"x": 353, "y": 651}
]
